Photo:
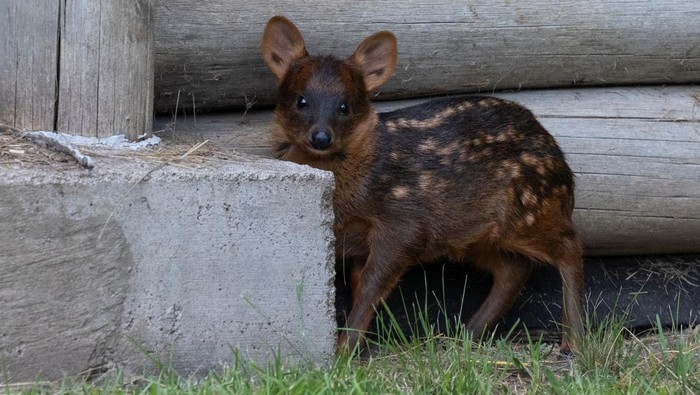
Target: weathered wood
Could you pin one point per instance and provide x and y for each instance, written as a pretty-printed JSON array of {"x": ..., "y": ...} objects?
[
  {"x": 28, "y": 45},
  {"x": 208, "y": 52},
  {"x": 106, "y": 68},
  {"x": 635, "y": 152},
  {"x": 80, "y": 67}
]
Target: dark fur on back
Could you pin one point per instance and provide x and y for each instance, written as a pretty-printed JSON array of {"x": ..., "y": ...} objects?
[{"x": 474, "y": 179}]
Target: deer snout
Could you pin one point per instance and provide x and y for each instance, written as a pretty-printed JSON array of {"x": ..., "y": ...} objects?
[{"x": 320, "y": 139}]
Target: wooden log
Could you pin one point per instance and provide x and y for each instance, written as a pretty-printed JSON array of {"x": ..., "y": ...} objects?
[
  {"x": 106, "y": 68},
  {"x": 28, "y": 63},
  {"x": 635, "y": 153},
  {"x": 80, "y": 67},
  {"x": 208, "y": 54}
]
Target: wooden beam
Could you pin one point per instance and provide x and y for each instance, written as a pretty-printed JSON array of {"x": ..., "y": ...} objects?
[
  {"x": 635, "y": 153},
  {"x": 208, "y": 52},
  {"x": 28, "y": 63},
  {"x": 81, "y": 67},
  {"x": 106, "y": 68}
]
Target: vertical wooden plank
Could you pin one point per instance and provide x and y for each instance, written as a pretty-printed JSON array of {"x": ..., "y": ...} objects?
[
  {"x": 8, "y": 60},
  {"x": 106, "y": 71},
  {"x": 80, "y": 46},
  {"x": 28, "y": 64},
  {"x": 126, "y": 64}
]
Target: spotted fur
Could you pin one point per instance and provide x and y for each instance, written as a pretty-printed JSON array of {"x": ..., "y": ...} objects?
[{"x": 475, "y": 179}]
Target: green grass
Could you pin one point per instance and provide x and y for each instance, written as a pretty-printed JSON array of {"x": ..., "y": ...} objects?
[{"x": 609, "y": 360}]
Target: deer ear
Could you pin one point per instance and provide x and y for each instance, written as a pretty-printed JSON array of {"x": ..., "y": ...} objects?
[
  {"x": 376, "y": 57},
  {"x": 281, "y": 45}
]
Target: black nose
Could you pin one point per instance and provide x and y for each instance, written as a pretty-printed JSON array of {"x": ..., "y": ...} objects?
[{"x": 320, "y": 140}]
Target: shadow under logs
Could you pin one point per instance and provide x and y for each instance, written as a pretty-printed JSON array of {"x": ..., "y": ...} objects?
[{"x": 441, "y": 296}]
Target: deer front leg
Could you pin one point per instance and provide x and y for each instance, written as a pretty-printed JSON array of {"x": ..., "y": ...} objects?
[{"x": 371, "y": 283}]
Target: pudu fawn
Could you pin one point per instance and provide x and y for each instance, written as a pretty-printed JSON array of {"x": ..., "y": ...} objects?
[{"x": 474, "y": 179}]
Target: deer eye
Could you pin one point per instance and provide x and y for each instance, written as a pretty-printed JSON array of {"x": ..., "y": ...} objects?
[
  {"x": 301, "y": 102},
  {"x": 344, "y": 109}
]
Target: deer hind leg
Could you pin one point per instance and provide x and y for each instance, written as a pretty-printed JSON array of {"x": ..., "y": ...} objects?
[
  {"x": 566, "y": 258},
  {"x": 570, "y": 266}
]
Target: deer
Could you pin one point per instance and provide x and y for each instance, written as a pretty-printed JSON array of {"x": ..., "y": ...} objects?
[{"x": 474, "y": 179}]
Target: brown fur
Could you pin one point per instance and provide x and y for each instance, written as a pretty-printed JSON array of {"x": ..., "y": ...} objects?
[{"x": 477, "y": 180}]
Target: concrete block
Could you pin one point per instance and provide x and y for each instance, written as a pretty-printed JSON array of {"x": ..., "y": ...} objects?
[{"x": 182, "y": 264}]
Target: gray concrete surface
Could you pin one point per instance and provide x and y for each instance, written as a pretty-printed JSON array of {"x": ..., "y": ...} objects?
[{"x": 196, "y": 261}]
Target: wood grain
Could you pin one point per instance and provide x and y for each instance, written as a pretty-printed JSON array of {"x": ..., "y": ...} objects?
[
  {"x": 106, "y": 68},
  {"x": 28, "y": 63},
  {"x": 207, "y": 52},
  {"x": 635, "y": 153}
]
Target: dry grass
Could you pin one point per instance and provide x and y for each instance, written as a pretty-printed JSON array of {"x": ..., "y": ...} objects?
[
  {"x": 18, "y": 151},
  {"x": 679, "y": 272},
  {"x": 675, "y": 272},
  {"x": 176, "y": 153}
]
